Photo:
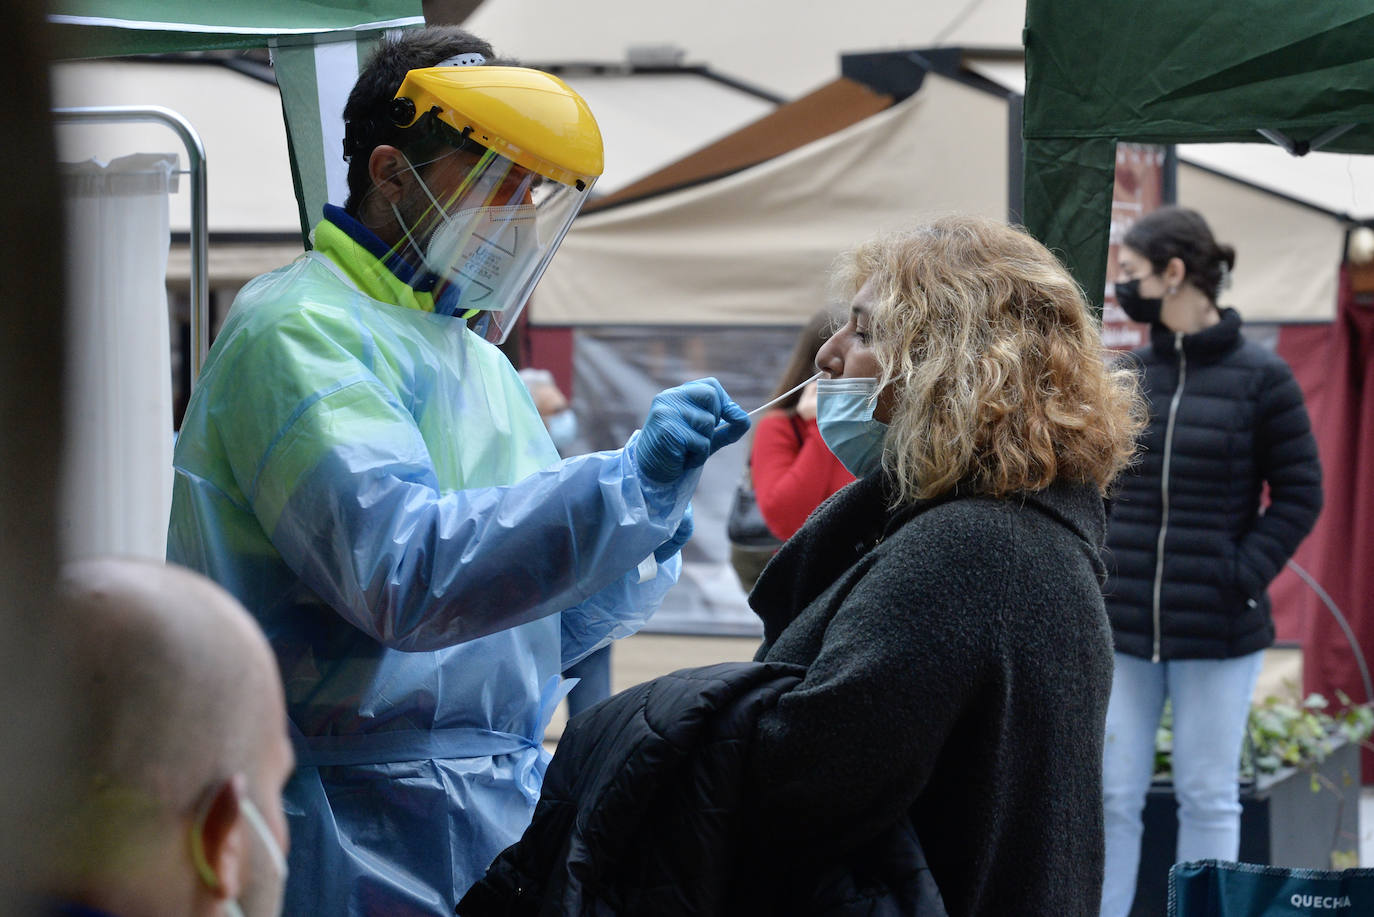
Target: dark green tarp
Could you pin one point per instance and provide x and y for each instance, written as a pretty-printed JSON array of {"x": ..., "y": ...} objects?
[
  {"x": 1197, "y": 71},
  {"x": 1177, "y": 71}
]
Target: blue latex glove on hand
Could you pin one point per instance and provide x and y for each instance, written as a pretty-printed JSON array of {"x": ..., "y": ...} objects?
[
  {"x": 684, "y": 429},
  {"x": 680, "y": 538}
]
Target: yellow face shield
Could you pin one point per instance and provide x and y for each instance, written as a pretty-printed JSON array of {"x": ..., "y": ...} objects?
[{"x": 526, "y": 154}]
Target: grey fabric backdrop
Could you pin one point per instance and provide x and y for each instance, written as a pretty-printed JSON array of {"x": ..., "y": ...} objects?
[{"x": 617, "y": 371}]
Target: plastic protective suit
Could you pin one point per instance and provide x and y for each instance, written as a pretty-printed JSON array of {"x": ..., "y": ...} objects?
[{"x": 365, "y": 476}]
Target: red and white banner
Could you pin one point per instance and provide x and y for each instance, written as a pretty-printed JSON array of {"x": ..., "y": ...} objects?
[{"x": 1139, "y": 189}]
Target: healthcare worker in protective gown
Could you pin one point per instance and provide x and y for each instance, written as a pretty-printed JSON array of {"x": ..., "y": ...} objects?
[{"x": 370, "y": 477}]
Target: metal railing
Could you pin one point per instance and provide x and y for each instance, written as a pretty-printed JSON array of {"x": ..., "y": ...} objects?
[{"x": 200, "y": 227}]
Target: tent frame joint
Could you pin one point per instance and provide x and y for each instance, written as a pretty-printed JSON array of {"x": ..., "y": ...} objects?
[{"x": 1303, "y": 147}]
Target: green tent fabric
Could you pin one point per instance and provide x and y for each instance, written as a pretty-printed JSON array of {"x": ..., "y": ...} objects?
[
  {"x": 315, "y": 80},
  {"x": 1177, "y": 71},
  {"x": 317, "y": 47},
  {"x": 115, "y": 28}
]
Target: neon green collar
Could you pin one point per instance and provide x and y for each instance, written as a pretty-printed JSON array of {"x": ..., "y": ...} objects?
[{"x": 368, "y": 273}]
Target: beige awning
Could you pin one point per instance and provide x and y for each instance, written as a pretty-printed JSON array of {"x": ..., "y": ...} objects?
[
  {"x": 232, "y": 264},
  {"x": 831, "y": 108},
  {"x": 239, "y": 121},
  {"x": 755, "y": 247},
  {"x": 1288, "y": 256}
]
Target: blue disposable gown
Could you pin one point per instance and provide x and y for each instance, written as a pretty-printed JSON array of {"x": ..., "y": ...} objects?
[{"x": 373, "y": 482}]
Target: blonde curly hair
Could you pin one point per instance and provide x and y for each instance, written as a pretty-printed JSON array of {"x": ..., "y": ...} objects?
[{"x": 999, "y": 379}]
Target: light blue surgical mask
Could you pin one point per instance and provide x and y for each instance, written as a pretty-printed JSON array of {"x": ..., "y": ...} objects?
[
  {"x": 844, "y": 413},
  {"x": 562, "y": 430}
]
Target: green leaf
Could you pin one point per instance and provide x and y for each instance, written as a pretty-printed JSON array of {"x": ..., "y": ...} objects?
[
  {"x": 1285, "y": 732},
  {"x": 1345, "y": 859}
]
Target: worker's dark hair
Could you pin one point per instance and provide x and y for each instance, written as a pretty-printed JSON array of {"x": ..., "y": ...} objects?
[
  {"x": 1177, "y": 232},
  {"x": 367, "y": 115}
]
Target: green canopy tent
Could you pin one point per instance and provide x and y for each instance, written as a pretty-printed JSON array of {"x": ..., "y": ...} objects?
[
  {"x": 1177, "y": 71},
  {"x": 316, "y": 49}
]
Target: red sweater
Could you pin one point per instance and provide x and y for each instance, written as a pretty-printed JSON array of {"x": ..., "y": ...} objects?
[{"x": 791, "y": 475}]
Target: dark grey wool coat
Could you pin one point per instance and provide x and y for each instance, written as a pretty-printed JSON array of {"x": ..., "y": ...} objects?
[
  {"x": 958, "y": 664},
  {"x": 1189, "y": 552}
]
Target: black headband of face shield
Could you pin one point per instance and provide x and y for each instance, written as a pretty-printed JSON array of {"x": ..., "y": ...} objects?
[{"x": 362, "y": 137}]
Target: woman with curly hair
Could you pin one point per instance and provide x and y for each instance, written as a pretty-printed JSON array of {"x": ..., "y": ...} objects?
[
  {"x": 947, "y": 606},
  {"x": 921, "y": 731}
]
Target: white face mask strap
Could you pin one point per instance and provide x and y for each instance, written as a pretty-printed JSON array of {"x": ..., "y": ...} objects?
[
  {"x": 442, "y": 214},
  {"x": 424, "y": 187},
  {"x": 405, "y": 230},
  {"x": 481, "y": 177},
  {"x": 254, "y": 816}
]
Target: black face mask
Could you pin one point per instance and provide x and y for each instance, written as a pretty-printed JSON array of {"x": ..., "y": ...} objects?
[{"x": 1137, "y": 307}]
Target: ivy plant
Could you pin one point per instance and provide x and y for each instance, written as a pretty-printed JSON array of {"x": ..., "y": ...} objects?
[
  {"x": 1292, "y": 732},
  {"x": 1284, "y": 732}
]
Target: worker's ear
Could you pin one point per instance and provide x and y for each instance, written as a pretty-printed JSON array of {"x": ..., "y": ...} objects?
[
  {"x": 387, "y": 169},
  {"x": 218, "y": 845}
]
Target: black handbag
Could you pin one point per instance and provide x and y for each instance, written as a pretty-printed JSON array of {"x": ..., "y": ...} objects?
[
  {"x": 746, "y": 527},
  {"x": 752, "y": 545}
]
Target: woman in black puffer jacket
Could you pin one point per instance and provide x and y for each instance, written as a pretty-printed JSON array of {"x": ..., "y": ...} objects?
[{"x": 1191, "y": 545}]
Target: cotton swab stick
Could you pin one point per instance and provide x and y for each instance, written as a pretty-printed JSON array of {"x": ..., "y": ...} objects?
[{"x": 785, "y": 394}]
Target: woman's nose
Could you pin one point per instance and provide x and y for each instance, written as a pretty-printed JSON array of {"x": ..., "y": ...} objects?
[{"x": 828, "y": 359}]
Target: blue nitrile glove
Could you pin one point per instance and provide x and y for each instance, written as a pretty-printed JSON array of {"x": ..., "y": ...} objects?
[
  {"x": 680, "y": 538},
  {"x": 684, "y": 429}
]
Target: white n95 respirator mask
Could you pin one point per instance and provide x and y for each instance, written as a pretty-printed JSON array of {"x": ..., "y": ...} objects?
[{"x": 479, "y": 252}]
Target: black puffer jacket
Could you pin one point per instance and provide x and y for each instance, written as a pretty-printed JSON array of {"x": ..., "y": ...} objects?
[
  {"x": 645, "y": 811},
  {"x": 1189, "y": 551}
]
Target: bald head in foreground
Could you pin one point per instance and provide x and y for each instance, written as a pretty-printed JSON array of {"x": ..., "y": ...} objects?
[{"x": 173, "y": 803}]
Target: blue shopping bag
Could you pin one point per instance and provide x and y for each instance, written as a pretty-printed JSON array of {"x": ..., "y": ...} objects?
[{"x": 1214, "y": 888}]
